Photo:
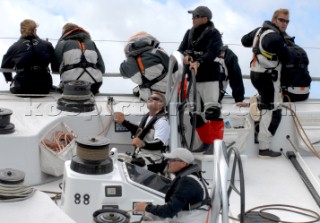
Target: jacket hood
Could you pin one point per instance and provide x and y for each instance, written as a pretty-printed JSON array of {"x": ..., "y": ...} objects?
[
  {"x": 76, "y": 33},
  {"x": 140, "y": 43},
  {"x": 270, "y": 25}
]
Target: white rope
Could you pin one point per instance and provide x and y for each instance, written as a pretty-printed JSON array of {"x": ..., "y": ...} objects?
[
  {"x": 15, "y": 192},
  {"x": 301, "y": 132}
]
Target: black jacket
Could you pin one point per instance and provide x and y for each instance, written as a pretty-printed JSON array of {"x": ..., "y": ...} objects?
[
  {"x": 184, "y": 191},
  {"x": 32, "y": 56},
  {"x": 234, "y": 75},
  {"x": 273, "y": 42},
  {"x": 206, "y": 40}
]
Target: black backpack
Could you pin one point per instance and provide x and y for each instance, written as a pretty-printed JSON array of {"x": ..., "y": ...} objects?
[{"x": 296, "y": 73}]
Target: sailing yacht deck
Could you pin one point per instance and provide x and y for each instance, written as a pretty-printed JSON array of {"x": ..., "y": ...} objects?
[{"x": 267, "y": 181}]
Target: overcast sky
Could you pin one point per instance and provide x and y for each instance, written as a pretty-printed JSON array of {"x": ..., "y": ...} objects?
[{"x": 110, "y": 23}]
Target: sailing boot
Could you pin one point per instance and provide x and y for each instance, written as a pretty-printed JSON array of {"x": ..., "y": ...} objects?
[{"x": 204, "y": 148}]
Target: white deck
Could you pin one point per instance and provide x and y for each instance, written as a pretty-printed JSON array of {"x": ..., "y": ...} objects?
[{"x": 267, "y": 181}]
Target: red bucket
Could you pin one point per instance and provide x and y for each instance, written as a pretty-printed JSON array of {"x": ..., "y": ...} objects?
[{"x": 213, "y": 129}]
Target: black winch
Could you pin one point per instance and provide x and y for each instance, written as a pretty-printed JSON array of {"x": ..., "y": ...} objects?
[
  {"x": 92, "y": 156},
  {"x": 12, "y": 187},
  {"x": 76, "y": 97},
  {"x": 257, "y": 217},
  {"x": 11, "y": 176},
  {"x": 5, "y": 126},
  {"x": 111, "y": 215}
]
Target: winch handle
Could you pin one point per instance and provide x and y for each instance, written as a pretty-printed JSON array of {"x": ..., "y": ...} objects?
[
  {"x": 110, "y": 102},
  {"x": 136, "y": 150}
]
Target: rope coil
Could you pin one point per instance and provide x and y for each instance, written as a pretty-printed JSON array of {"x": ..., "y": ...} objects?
[
  {"x": 59, "y": 141},
  {"x": 16, "y": 192},
  {"x": 287, "y": 208},
  {"x": 99, "y": 153}
]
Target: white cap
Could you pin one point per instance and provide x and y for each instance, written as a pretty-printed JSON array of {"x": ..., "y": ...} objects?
[{"x": 180, "y": 153}]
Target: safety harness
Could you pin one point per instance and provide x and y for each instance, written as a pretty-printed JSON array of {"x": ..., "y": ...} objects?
[
  {"x": 141, "y": 132},
  {"x": 33, "y": 68},
  {"x": 257, "y": 49},
  {"x": 84, "y": 64},
  {"x": 146, "y": 83},
  {"x": 198, "y": 177},
  {"x": 143, "y": 129}
]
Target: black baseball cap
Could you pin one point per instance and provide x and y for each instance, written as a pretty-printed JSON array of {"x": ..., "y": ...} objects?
[{"x": 202, "y": 11}]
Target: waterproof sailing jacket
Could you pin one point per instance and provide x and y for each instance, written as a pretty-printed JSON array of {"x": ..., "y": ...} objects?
[
  {"x": 30, "y": 56},
  {"x": 268, "y": 46},
  {"x": 146, "y": 65},
  {"x": 203, "y": 43},
  {"x": 231, "y": 73},
  {"x": 78, "y": 58},
  {"x": 185, "y": 191}
]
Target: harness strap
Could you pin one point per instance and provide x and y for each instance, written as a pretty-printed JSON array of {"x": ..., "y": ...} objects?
[
  {"x": 36, "y": 68},
  {"x": 269, "y": 56},
  {"x": 256, "y": 50},
  {"x": 33, "y": 67},
  {"x": 79, "y": 65},
  {"x": 206, "y": 198},
  {"x": 140, "y": 65},
  {"x": 146, "y": 128},
  {"x": 145, "y": 82},
  {"x": 84, "y": 64}
]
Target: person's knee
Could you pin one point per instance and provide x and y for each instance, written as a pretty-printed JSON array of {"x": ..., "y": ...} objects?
[
  {"x": 212, "y": 113},
  {"x": 196, "y": 120},
  {"x": 275, "y": 121}
]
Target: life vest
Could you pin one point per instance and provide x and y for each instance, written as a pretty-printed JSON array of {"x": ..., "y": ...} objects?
[
  {"x": 144, "y": 129},
  {"x": 195, "y": 173},
  {"x": 263, "y": 61}
]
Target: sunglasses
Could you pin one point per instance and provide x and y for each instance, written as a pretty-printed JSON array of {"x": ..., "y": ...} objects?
[
  {"x": 284, "y": 20},
  {"x": 197, "y": 16},
  {"x": 153, "y": 98},
  {"x": 174, "y": 160}
]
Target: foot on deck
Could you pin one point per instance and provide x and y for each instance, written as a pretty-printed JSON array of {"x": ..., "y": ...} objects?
[
  {"x": 268, "y": 153},
  {"x": 204, "y": 148}
]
